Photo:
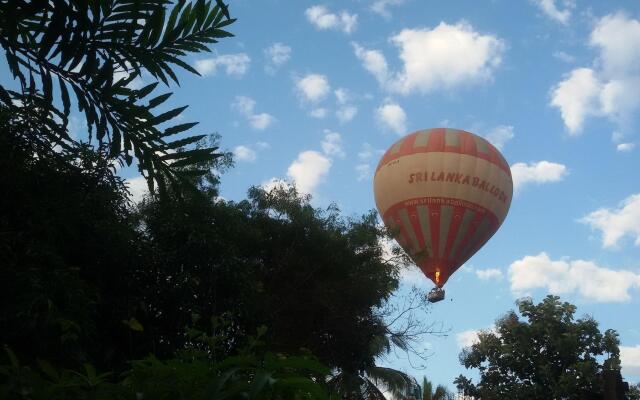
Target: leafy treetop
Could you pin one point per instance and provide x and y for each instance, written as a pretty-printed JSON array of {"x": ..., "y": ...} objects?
[{"x": 92, "y": 51}]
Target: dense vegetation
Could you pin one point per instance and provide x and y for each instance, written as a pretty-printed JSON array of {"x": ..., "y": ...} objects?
[
  {"x": 181, "y": 295},
  {"x": 549, "y": 355}
]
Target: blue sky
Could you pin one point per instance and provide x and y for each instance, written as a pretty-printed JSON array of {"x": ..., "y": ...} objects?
[{"x": 313, "y": 92}]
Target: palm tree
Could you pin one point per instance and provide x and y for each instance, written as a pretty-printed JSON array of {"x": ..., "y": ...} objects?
[
  {"x": 373, "y": 382},
  {"x": 440, "y": 392}
]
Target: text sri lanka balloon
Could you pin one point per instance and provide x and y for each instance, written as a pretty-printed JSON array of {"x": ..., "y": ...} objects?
[{"x": 443, "y": 193}]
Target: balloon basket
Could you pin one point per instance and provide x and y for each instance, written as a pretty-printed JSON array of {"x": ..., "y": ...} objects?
[{"x": 435, "y": 295}]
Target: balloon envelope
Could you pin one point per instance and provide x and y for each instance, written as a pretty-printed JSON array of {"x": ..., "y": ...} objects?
[{"x": 443, "y": 193}]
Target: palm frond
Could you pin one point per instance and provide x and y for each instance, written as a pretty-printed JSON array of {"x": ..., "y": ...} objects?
[{"x": 398, "y": 383}]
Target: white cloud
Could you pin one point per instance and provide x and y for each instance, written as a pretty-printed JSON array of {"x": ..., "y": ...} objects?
[
  {"x": 342, "y": 95},
  {"x": 488, "y": 274},
  {"x": 261, "y": 121},
  {"x": 364, "y": 171},
  {"x": 309, "y": 170},
  {"x": 244, "y": 153},
  {"x": 550, "y": 8},
  {"x": 233, "y": 64},
  {"x": 618, "y": 39},
  {"x": 467, "y": 338},
  {"x": 246, "y": 106},
  {"x": 585, "y": 278},
  {"x": 346, "y": 113},
  {"x": 275, "y": 183},
  {"x": 332, "y": 144},
  {"x": 606, "y": 89},
  {"x": 313, "y": 87},
  {"x": 440, "y": 58},
  {"x": 577, "y": 97},
  {"x": 630, "y": 360},
  {"x": 470, "y": 337},
  {"x": 323, "y": 19},
  {"x": 138, "y": 188},
  {"x": 392, "y": 116},
  {"x": 617, "y": 222},
  {"x": 319, "y": 112},
  {"x": 500, "y": 135},
  {"x": 380, "y": 6},
  {"x": 277, "y": 55},
  {"x": 625, "y": 147},
  {"x": 374, "y": 62},
  {"x": 537, "y": 172}
]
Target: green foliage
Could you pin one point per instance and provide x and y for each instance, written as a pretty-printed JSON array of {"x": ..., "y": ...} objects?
[
  {"x": 180, "y": 282},
  {"x": 92, "y": 51},
  {"x": 547, "y": 356},
  {"x": 439, "y": 393},
  {"x": 241, "y": 377},
  {"x": 312, "y": 277}
]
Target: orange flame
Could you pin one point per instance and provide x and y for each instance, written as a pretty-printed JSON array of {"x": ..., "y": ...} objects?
[{"x": 437, "y": 277}]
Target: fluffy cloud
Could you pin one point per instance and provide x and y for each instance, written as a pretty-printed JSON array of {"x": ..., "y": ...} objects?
[
  {"x": 246, "y": 106},
  {"x": 309, "y": 170},
  {"x": 607, "y": 89},
  {"x": 313, "y": 87},
  {"x": 617, "y": 37},
  {"x": 551, "y": 10},
  {"x": 381, "y": 6},
  {"x": 440, "y": 58},
  {"x": 467, "y": 338},
  {"x": 625, "y": 147},
  {"x": 342, "y": 95},
  {"x": 137, "y": 187},
  {"x": 261, "y": 121},
  {"x": 374, "y": 62},
  {"x": 275, "y": 183},
  {"x": 630, "y": 359},
  {"x": 572, "y": 276},
  {"x": 617, "y": 222},
  {"x": 500, "y": 135},
  {"x": 489, "y": 274},
  {"x": 323, "y": 19},
  {"x": 244, "y": 153},
  {"x": 277, "y": 55},
  {"x": 537, "y": 172},
  {"x": 392, "y": 116},
  {"x": 332, "y": 144},
  {"x": 233, "y": 64},
  {"x": 577, "y": 97},
  {"x": 346, "y": 113}
]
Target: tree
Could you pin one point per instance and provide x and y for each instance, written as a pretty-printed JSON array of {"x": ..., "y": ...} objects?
[
  {"x": 93, "y": 52},
  {"x": 438, "y": 393},
  {"x": 634, "y": 392},
  {"x": 549, "y": 355},
  {"x": 87, "y": 277}
]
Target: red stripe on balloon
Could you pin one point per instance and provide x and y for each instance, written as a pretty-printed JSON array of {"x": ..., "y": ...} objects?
[
  {"x": 436, "y": 143},
  {"x": 446, "y": 263}
]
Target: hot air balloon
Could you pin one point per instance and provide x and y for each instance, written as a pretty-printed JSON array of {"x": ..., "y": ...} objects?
[{"x": 442, "y": 193}]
